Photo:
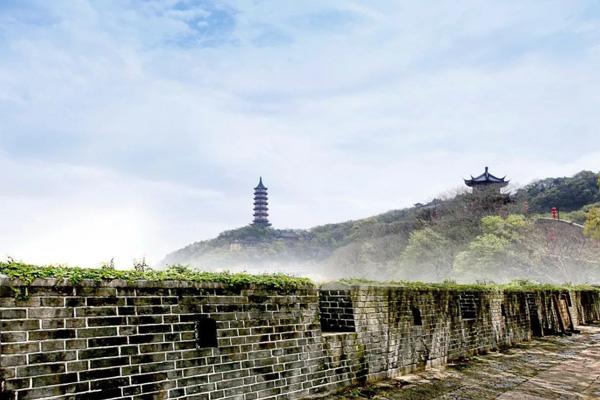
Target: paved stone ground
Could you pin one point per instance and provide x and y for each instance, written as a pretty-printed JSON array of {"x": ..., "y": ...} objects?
[{"x": 552, "y": 367}]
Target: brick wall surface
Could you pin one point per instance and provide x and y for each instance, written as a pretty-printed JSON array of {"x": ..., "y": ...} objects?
[
  {"x": 153, "y": 341},
  {"x": 587, "y": 306},
  {"x": 337, "y": 313}
]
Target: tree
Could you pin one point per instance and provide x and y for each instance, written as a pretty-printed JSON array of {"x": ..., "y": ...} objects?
[
  {"x": 568, "y": 193},
  {"x": 497, "y": 253},
  {"x": 592, "y": 221},
  {"x": 483, "y": 259},
  {"x": 430, "y": 251},
  {"x": 592, "y": 224},
  {"x": 509, "y": 228}
]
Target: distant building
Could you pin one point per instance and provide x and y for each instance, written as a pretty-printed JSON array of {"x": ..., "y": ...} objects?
[
  {"x": 235, "y": 246},
  {"x": 486, "y": 183},
  {"x": 261, "y": 205},
  {"x": 430, "y": 210}
]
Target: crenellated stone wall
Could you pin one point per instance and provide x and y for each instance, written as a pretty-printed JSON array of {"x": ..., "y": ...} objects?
[{"x": 178, "y": 340}]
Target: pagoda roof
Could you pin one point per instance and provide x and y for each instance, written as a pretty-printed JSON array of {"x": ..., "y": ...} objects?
[
  {"x": 486, "y": 178},
  {"x": 260, "y": 184}
]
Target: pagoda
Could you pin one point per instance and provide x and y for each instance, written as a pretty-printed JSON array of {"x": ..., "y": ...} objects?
[
  {"x": 261, "y": 205},
  {"x": 486, "y": 183}
]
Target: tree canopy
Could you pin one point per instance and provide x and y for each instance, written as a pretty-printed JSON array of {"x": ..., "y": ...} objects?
[{"x": 566, "y": 193}]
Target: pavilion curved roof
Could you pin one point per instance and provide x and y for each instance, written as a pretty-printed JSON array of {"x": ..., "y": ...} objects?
[{"x": 486, "y": 178}]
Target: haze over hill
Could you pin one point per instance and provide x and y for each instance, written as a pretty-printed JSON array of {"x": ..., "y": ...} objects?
[{"x": 447, "y": 238}]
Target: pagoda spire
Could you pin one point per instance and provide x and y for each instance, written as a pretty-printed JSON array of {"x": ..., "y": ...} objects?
[{"x": 261, "y": 205}]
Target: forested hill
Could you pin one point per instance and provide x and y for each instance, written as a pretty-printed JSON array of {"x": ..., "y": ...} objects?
[
  {"x": 568, "y": 194},
  {"x": 380, "y": 246}
]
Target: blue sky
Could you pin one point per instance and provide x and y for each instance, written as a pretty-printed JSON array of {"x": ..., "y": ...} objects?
[{"x": 132, "y": 128}]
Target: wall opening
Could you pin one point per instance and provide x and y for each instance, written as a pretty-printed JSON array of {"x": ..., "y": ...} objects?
[
  {"x": 416, "y": 313},
  {"x": 567, "y": 297},
  {"x": 564, "y": 315},
  {"x": 534, "y": 319},
  {"x": 205, "y": 333},
  {"x": 503, "y": 310},
  {"x": 336, "y": 311},
  {"x": 468, "y": 305}
]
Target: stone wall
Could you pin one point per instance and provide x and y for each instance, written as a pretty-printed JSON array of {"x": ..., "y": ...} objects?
[
  {"x": 396, "y": 343},
  {"x": 588, "y": 307},
  {"x": 176, "y": 340}
]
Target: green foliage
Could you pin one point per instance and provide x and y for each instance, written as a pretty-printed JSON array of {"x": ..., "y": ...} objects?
[
  {"x": 140, "y": 265},
  {"x": 509, "y": 228},
  {"x": 429, "y": 250},
  {"x": 27, "y": 273},
  {"x": 577, "y": 216},
  {"x": 425, "y": 240},
  {"x": 518, "y": 285},
  {"x": 592, "y": 223},
  {"x": 485, "y": 254},
  {"x": 568, "y": 194},
  {"x": 253, "y": 232},
  {"x": 494, "y": 252}
]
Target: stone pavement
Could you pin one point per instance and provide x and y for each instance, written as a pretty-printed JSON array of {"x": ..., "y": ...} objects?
[{"x": 552, "y": 367}]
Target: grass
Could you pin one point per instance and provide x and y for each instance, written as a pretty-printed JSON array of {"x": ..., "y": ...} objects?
[
  {"x": 28, "y": 272},
  {"x": 514, "y": 286}
]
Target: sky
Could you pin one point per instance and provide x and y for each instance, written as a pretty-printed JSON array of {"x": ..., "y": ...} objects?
[{"x": 129, "y": 129}]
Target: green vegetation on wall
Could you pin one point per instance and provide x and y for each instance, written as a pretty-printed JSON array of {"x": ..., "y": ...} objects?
[
  {"x": 27, "y": 273},
  {"x": 518, "y": 285}
]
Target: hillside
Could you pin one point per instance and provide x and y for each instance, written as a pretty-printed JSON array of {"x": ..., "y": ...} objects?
[
  {"x": 566, "y": 193},
  {"x": 256, "y": 248},
  {"x": 417, "y": 242}
]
